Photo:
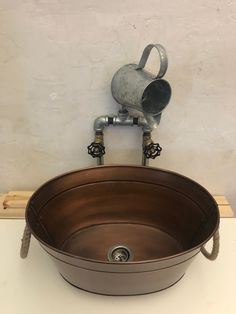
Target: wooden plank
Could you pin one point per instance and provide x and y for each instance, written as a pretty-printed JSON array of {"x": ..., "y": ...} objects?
[
  {"x": 221, "y": 200},
  {"x": 13, "y": 203},
  {"x": 18, "y": 196},
  {"x": 10, "y": 212},
  {"x": 21, "y": 194},
  {"x": 226, "y": 211},
  {"x": 16, "y": 199}
]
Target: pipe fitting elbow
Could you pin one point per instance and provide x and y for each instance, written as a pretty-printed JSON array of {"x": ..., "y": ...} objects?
[{"x": 100, "y": 123}]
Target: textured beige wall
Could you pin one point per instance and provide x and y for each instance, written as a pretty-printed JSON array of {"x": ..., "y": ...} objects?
[{"x": 57, "y": 59}]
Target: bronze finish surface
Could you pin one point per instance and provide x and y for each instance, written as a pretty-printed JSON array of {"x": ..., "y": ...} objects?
[{"x": 162, "y": 217}]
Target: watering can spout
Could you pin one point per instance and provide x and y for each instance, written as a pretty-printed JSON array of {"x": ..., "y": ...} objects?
[{"x": 152, "y": 120}]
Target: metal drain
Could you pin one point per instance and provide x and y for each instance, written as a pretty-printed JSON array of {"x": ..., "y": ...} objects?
[{"x": 119, "y": 254}]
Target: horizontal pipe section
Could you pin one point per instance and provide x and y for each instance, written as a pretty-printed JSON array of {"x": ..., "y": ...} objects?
[{"x": 121, "y": 120}]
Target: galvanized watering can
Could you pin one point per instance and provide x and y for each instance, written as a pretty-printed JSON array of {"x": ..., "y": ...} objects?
[{"x": 134, "y": 87}]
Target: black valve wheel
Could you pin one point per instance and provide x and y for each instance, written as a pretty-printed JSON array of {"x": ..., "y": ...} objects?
[
  {"x": 96, "y": 150},
  {"x": 152, "y": 150}
]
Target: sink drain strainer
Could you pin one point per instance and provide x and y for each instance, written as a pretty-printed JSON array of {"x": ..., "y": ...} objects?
[{"x": 119, "y": 253}]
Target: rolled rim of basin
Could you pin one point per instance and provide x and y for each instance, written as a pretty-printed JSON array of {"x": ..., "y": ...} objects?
[{"x": 185, "y": 252}]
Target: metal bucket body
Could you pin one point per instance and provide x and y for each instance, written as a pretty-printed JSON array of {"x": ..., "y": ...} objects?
[
  {"x": 125, "y": 279},
  {"x": 138, "y": 89},
  {"x": 162, "y": 217}
]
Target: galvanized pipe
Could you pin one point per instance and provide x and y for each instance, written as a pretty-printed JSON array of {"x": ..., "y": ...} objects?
[
  {"x": 146, "y": 140},
  {"x": 145, "y": 160},
  {"x": 123, "y": 118},
  {"x": 100, "y": 123},
  {"x": 100, "y": 161}
]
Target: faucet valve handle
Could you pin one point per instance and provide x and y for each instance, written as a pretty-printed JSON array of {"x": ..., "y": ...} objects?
[
  {"x": 96, "y": 149},
  {"x": 152, "y": 150}
]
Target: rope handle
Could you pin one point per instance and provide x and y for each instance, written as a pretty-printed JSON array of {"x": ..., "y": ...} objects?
[
  {"x": 25, "y": 243},
  {"x": 215, "y": 248}
]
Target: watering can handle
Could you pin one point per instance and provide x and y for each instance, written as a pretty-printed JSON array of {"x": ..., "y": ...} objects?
[
  {"x": 215, "y": 248},
  {"x": 163, "y": 59}
]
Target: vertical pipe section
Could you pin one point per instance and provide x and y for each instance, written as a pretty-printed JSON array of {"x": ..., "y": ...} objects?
[
  {"x": 100, "y": 161},
  {"x": 146, "y": 141},
  {"x": 99, "y": 138},
  {"x": 145, "y": 161}
]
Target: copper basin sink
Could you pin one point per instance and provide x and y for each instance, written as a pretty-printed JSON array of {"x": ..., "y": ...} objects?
[{"x": 122, "y": 230}]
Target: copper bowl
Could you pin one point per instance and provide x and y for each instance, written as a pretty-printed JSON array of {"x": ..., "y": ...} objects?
[{"x": 122, "y": 230}]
